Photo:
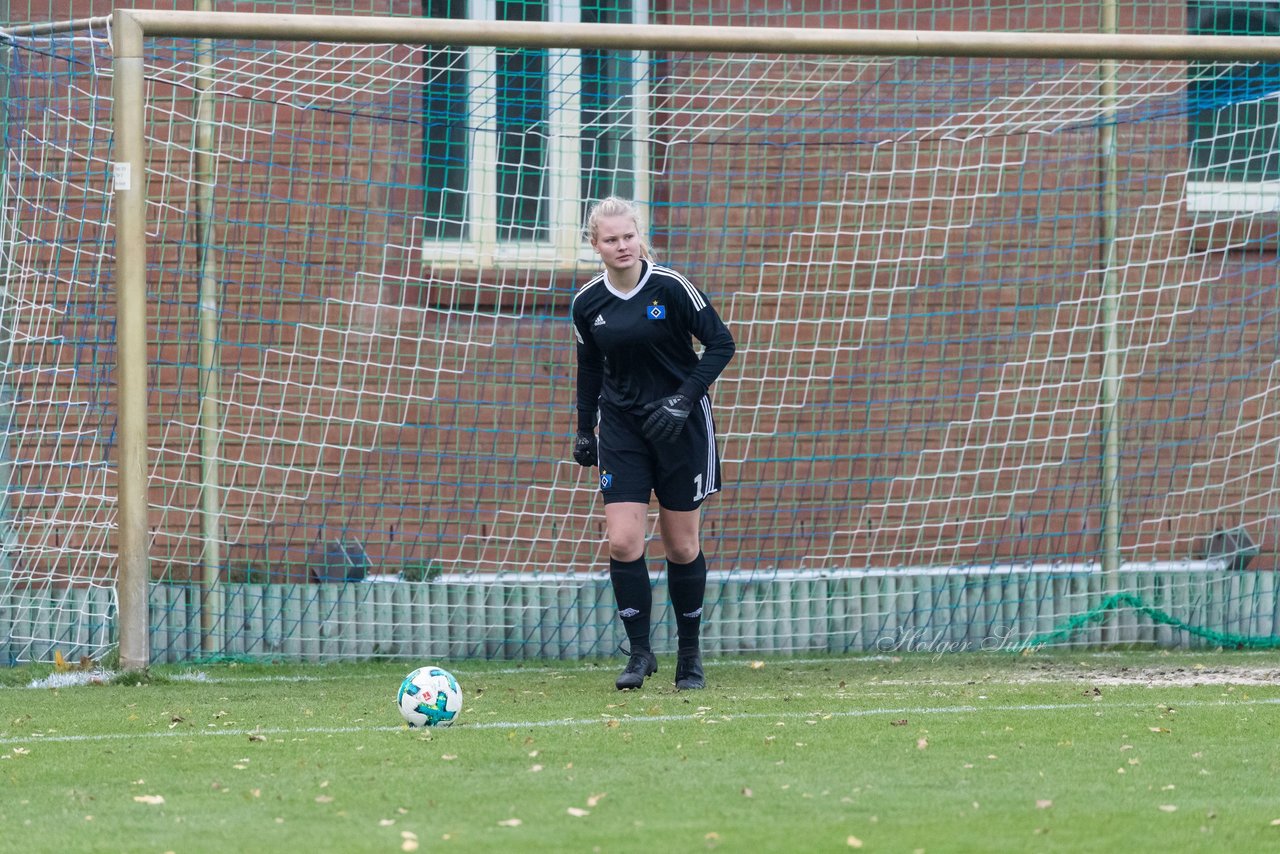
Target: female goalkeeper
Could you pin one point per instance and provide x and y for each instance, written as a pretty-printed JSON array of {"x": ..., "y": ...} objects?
[{"x": 638, "y": 368}]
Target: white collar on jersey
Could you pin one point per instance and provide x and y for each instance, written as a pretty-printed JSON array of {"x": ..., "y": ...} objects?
[{"x": 644, "y": 277}]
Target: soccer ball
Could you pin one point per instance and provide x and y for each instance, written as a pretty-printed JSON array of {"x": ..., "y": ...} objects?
[{"x": 429, "y": 696}]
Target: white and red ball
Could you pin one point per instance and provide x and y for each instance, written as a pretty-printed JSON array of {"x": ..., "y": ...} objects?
[{"x": 429, "y": 696}]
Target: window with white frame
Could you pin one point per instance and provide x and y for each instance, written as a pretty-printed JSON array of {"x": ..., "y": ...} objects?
[
  {"x": 517, "y": 142},
  {"x": 1234, "y": 120}
]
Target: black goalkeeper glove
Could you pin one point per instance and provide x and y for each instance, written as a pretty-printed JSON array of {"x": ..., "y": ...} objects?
[
  {"x": 584, "y": 449},
  {"x": 666, "y": 418}
]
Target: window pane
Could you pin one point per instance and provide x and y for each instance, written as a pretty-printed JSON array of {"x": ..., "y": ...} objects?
[
  {"x": 1234, "y": 115},
  {"x": 522, "y": 132},
  {"x": 608, "y": 111},
  {"x": 444, "y": 117}
]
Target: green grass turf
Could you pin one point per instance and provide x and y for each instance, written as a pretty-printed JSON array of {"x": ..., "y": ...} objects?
[{"x": 972, "y": 752}]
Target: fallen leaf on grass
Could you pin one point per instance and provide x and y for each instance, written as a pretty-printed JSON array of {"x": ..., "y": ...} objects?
[
  {"x": 1168, "y": 808},
  {"x": 899, "y": 722},
  {"x": 577, "y": 812},
  {"x": 510, "y": 822},
  {"x": 149, "y": 799},
  {"x": 853, "y": 842},
  {"x": 1043, "y": 804},
  {"x": 922, "y": 743},
  {"x": 756, "y": 665},
  {"x": 595, "y": 799},
  {"x": 408, "y": 841}
]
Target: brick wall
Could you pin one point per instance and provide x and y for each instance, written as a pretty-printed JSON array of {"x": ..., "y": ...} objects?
[{"x": 455, "y": 452}]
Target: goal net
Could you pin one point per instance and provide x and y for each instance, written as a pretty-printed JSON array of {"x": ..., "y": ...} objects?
[{"x": 1006, "y": 372}]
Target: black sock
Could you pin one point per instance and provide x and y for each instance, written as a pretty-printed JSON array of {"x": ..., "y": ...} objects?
[
  {"x": 635, "y": 599},
  {"x": 687, "y": 585}
]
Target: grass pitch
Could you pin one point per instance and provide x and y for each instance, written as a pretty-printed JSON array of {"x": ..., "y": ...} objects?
[{"x": 965, "y": 752}]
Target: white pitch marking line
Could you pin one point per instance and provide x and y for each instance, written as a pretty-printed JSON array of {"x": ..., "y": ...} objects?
[
  {"x": 597, "y": 667},
  {"x": 1069, "y": 672},
  {"x": 647, "y": 719}
]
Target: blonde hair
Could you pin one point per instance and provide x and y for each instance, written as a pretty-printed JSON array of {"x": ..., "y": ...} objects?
[{"x": 615, "y": 206}]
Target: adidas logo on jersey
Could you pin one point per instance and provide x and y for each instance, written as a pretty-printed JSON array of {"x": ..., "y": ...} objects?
[{"x": 599, "y": 320}]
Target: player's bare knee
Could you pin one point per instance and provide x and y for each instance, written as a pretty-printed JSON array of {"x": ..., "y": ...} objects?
[
  {"x": 679, "y": 552},
  {"x": 626, "y": 548}
]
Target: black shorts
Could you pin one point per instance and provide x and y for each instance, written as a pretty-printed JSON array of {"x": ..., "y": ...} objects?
[{"x": 680, "y": 473}]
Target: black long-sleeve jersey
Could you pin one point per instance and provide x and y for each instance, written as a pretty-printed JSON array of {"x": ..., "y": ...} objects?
[{"x": 636, "y": 347}]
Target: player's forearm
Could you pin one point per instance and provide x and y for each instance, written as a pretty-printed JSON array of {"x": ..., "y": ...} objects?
[
  {"x": 716, "y": 356},
  {"x": 590, "y": 381}
]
